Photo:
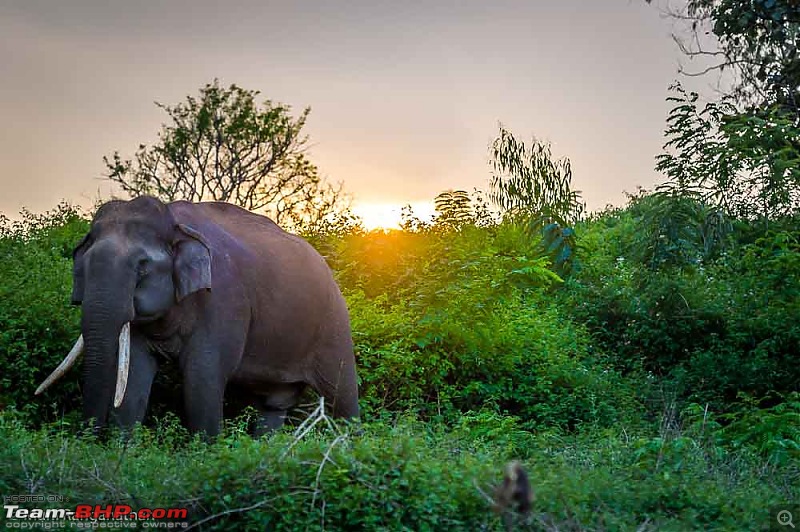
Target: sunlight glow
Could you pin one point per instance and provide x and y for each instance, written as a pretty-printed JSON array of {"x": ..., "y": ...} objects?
[{"x": 387, "y": 215}]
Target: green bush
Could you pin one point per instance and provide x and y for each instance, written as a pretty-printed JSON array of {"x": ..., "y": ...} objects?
[
  {"x": 450, "y": 320},
  {"x": 39, "y": 326},
  {"x": 471, "y": 324},
  {"x": 471, "y": 352},
  {"x": 521, "y": 359},
  {"x": 768, "y": 427},
  {"x": 466, "y": 323},
  {"x": 713, "y": 327}
]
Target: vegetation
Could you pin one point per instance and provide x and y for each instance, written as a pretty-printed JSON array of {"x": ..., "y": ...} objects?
[
  {"x": 225, "y": 146},
  {"x": 640, "y": 362},
  {"x": 654, "y": 387},
  {"x": 407, "y": 475},
  {"x": 743, "y": 151},
  {"x": 536, "y": 191},
  {"x": 755, "y": 39}
]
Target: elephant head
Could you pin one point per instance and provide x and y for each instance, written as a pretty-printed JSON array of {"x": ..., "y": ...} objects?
[{"x": 135, "y": 264}]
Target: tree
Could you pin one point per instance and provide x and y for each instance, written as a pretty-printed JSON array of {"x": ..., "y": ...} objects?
[
  {"x": 529, "y": 184},
  {"x": 224, "y": 146},
  {"x": 756, "y": 39},
  {"x": 741, "y": 153},
  {"x": 453, "y": 208},
  {"x": 527, "y": 180},
  {"x": 747, "y": 165}
]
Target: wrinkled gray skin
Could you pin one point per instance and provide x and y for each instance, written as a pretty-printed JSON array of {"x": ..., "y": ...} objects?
[{"x": 229, "y": 295}]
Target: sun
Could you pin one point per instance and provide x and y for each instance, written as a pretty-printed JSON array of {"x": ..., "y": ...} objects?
[
  {"x": 388, "y": 215},
  {"x": 378, "y": 215}
]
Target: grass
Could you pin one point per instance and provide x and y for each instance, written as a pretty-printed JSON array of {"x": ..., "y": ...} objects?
[{"x": 403, "y": 475}]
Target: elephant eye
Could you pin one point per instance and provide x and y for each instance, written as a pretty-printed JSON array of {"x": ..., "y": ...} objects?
[{"x": 142, "y": 268}]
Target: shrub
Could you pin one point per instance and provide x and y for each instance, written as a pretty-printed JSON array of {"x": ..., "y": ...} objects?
[
  {"x": 471, "y": 324},
  {"x": 38, "y": 324},
  {"x": 714, "y": 327}
]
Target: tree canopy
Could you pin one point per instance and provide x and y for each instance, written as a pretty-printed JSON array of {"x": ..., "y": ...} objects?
[
  {"x": 225, "y": 146},
  {"x": 528, "y": 180},
  {"x": 741, "y": 153},
  {"x": 757, "y": 39}
]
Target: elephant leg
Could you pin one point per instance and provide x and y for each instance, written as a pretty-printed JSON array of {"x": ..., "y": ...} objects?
[
  {"x": 335, "y": 379},
  {"x": 269, "y": 421},
  {"x": 203, "y": 391},
  {"x": 275, "y": 405},
  {"x": 140, "y": 378},
  {"x": 205, "y": 366}
]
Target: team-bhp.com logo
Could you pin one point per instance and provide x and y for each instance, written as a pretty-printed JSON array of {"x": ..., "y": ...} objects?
[{"x": 84, "y": 516}]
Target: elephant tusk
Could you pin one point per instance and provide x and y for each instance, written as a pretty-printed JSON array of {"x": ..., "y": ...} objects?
[
  {"x": 62, "y": 368},
  {"x": 124, "y": 364}
]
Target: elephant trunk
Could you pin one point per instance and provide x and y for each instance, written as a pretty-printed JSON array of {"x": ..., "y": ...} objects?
[{"x": 106, "y": 333}]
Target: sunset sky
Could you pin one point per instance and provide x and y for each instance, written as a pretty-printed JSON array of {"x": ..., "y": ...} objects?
[{"x": 405, "y": 95}]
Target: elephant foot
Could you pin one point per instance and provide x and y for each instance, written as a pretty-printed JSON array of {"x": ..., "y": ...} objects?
[{"x": 269, "y": 422}]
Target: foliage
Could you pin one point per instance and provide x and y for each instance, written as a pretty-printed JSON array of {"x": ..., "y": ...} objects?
[
  {"x": 694, "y": 160},
  {"x": 560, "y": 244},
  {"x": 526, "y": 179},
  {"x": 444, "y": 321},
  {"x": 740, "y": 154},
  {"x": 449, "y": 321},
  {"x": 765, "y": 144},
  {"x": 757, "y": 40},
  {"x": 534, "y": 188},
  {"x": 772, "y": 430},
  {"x": 676, "y": 230},
  {"x": 698, "y": 285},
  {"x": 38, "y": 324},
  {"x": 711, "y": 326},
  {"x": 404, "y": 476},
  {"x": 746, "y": 165},
  {"x": 453, "y": 208},
  {"x": 224, "y": 146},
  {"x": 471, "y": 352}
]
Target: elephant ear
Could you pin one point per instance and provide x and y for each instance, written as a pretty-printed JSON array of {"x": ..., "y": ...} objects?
[
  {"x": 77, "y": 269},
  {"x": 192, "y": 264}
]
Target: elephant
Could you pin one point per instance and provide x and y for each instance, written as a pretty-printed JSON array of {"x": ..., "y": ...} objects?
[{"x": 237, "y": 302}]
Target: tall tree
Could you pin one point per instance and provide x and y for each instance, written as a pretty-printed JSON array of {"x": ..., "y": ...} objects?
[
  {"x": 527, "y": 179},
  {"x": 225, "y": 146},
  {"x": 758, "y": 40},
  {"x": 742, "y": 152},
  {"x": 528, "y": 183}
]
